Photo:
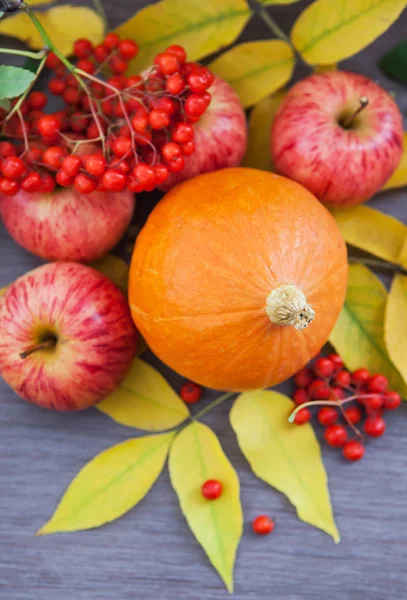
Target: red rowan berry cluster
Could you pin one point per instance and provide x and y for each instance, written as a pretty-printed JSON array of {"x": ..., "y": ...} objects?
[
  {"x": 328, "y": 382},
  {"x": 114, "y": 132}
]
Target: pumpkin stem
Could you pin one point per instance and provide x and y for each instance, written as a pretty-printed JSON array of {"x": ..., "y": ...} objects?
[{"x": 287, "y": 305}]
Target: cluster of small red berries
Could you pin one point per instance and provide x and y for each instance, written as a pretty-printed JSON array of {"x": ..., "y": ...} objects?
[
  {"x": 114, "y": 131},
  {"x": 368, "y": 396}
]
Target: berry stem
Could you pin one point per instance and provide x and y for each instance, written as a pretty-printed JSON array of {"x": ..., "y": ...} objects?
[
  {"x": 34, "y": 55},
  {"x": 45, "y": 345},
  {"x": 326, "y": 403},
  {"x": 212, "y": 405},
  {"x": 379, "y": 264},
  {"x": 101, "y": 10}
]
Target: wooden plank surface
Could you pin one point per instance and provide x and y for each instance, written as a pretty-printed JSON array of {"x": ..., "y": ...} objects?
[{"x": 150, "y": 553}]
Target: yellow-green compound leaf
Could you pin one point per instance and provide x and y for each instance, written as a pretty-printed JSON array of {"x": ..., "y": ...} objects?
[
  {"x": 258, "y": 144},
  {"x": 270, "y": 2},
  {"x": 329, "y": 31},
  {"x": 372, "y": 231},
  {"x": 200, "y": 27},
  {"x": 284, "y": 456},
  {"x": 145, "y": 400},
  {"x": 196, "y": 456},
  {"x": 110, "y": 484},
  {"x": 256, "y": 69},
  {"x": 64, "y": 24},
  {"x": 114, "y": 268},
  {"x": 399, "y": 177},
  {"x": 395, "y": 327},
  {"x": 358, "y": 335}
]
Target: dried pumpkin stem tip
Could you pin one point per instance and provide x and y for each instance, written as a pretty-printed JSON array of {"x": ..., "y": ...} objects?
[{"x": 287, "y": 305}]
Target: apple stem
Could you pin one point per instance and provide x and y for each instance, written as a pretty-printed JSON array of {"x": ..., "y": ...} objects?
[
  {"x": 363, "y": 102},
  {"x": 45, "y": 345}
]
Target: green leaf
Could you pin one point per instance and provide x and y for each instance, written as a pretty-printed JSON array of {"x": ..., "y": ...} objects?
[
  {"x": 1, "y": 14},
  {"x": 394, "y": 63},
  {"x": 5, "y": 104},
  {"x": 110, "y": 484},
  {"x": 200, "y": 27},
  {"x": 256, "y": 69},
  {"x": 14, "y": 81},
  {"x": 145, "y": 400},
  {"x": 358, "y": 335},
  {"x": 196, "y": 456},
  {"x": 284, "y": 456}
]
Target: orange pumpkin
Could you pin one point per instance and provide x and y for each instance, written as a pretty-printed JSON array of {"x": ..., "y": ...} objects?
[{"x": 238, "y": 278}]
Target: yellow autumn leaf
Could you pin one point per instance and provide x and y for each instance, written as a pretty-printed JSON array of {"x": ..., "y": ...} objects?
[
  {"x": 325, "y": 68},
  {"x": 270, "y": 2},
  {"x": 114, "y": 268},
  {"x": 328, "y": 31},
  {"x": 196, "y": 456},
  {"x": 145, "y": 400},
  {"x": 64, "y": 24},
  {"x": 258, "y": 144},
  {"x": 358, "y": 335},
  {"x": 372, "y": 231},
  {"x": 201, "y": 28},
  {"x": 399, "y": 177},
  {"x": 110, "y": 484},
  {"x": 3, "y": 291},
  {"x": 38, "y": 2},
  {"x": 395, "y": 327},
  {"x": 286, "y": 457},
  {"x": 256, "y": 69}
]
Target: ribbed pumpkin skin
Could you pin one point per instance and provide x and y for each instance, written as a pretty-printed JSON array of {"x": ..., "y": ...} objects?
[{"x": 209, "y": 255}]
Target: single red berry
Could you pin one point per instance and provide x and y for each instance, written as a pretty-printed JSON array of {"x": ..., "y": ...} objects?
[
  {"x": 337, "y": 361},
  {"x": 140, "y": 121},
  {"x": 84, "y": 184},
  {"x": 32, "y": 182},
  {"x": 196, "y": 105},
  {"x": 391, "y": 400},
  {"x": 188, "y": 148},
  {"x": 211, "y": 489},
  {"x": 121, "y": 146},
  {"x": 300, "y": 396},
  {"x": 374, "y": 426},
  {"x": 373, "y": 403},
  {"x": 324, "y": 367},
  {"x": 337, "y": 393},
  {"x": 360, "y": 377},
  {"x": 8, "y": 187},
  {"x": 319, "y": 390},
  {"x": 118, "y": 64},
  {"x": 343, "y": 379},
  {"x": 353, "y": 414},
  {"x": 263, "y": 525},
  {"x": 7, "y": 149},
  {"x": 161, "y": 173},
  {"x": 176, "y": 165},
  {"x": 191, "y": 392},
  {"x": 57, "y": 86},
  {"x": 128, "y": 49},
  {"x": 92, "y": 132},
  {"x": 84, "y": 64},
  {"x": 336, "y": 436},
  {"x": 304, "y": 377},
  {"x": 82, "y": 48},
  {"x": 78, "y": 122},
  {"x": 353, "y": 450},
  {"x": 63, "y": 179},
  {"x": 114, "y": 180},
  {"x": 47, "y": 183},
  {"x": 327, "y": 416},
  {"x": 167, "y": 63},
  {"x": 177, "y": 51},
  {"x": 200, "y": 79},
  {"x": 54, "y": 156},
  {"x": 12, "y": 167},
  {"x": 100, "y": 53},
  {"x": 71, "y": 165},
  {"x": 377, "y": 384},
  {"x": 183, "y": 133},
  {"x": 37, "y": 100},
  {"x": 49, "y": 125},
  {"x": 71, "y": 95},
  {"x": 171, "y": 151},
  {"x": 120, "y": 164},
  {"x": 175, "y": 84},
  {"x": 158, "y": 119},
  {"x": 95, "y": 164},
  {"x": 168, "y": 105},
  {"x": 303, "y": 416},
  {"x": 52, "y": 61},
  {"x": 111, "y": 41}
]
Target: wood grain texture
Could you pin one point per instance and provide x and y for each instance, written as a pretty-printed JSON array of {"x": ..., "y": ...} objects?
[{"x": 150, "y": 554}]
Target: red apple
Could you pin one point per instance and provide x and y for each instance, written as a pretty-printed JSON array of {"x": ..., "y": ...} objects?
[
  {"x": 340, "y": 159},
  {"x": 66, "y": 336},
  {"x": 67, "y": 225},
  {"x": 220, "y": 136}
]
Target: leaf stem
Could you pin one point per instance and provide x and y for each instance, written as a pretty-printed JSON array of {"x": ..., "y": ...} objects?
[
  {"x": 379, "y": 264},
  {"x": 271, "y": 24},
  {"x": 34, "y": 55},
  {"x": 212, "y": 405},
  {"x": 98, "y": 4}
]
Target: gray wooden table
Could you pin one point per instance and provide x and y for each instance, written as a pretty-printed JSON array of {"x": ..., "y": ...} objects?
[{"x": 150, "y": 553}]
